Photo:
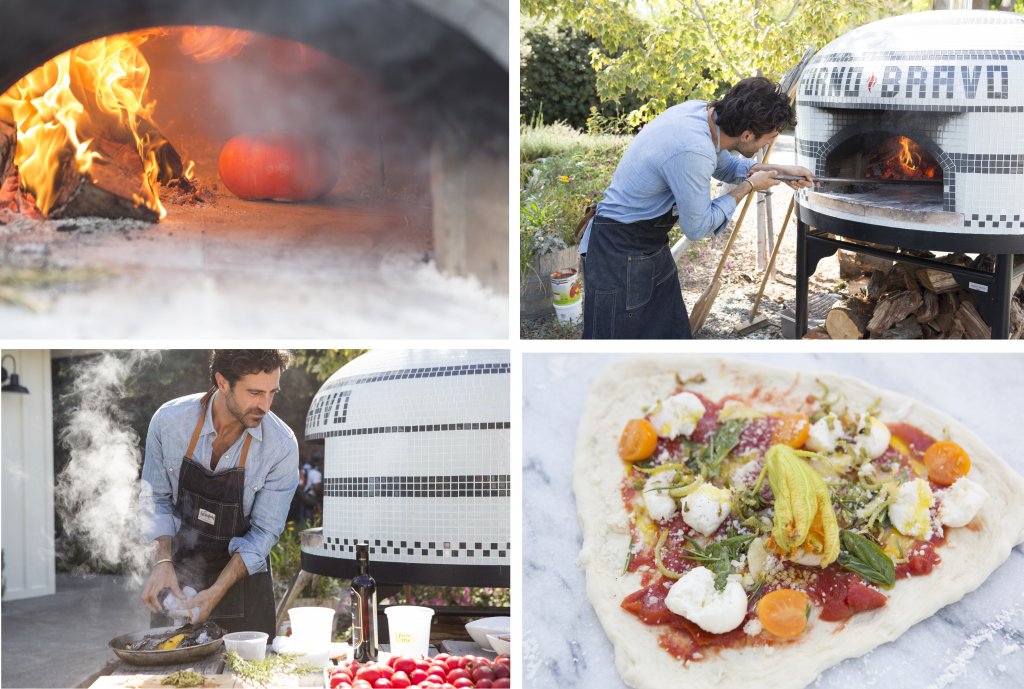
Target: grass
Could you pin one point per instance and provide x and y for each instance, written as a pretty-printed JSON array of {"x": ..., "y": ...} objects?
[{"x": 548, "y": 140}]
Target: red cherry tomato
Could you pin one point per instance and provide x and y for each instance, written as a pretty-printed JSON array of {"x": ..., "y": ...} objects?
[
  {"x": 422, "y": 664},
  {"x": 338, "y": 679},
  {"x": 361, "y": 684},
  {"x": 502, "y": 670},
  {"x": 502, "y": 683},
  {"x": 418, "y": 676},
  {"x": 442, "y": 656},
  {"x": 383, "y": 683},
  {"x": 458, "y": 673},
  {"x": 400, "y": 680},
  {"x": 404, "y": 664},
  {"x": 453, "y": 663},
  {"x": 463, "y": 683},
  {"x": 484, "y": 684},
  {"x": 370, "y": 673},
  {"x": 482, "y": 672}
]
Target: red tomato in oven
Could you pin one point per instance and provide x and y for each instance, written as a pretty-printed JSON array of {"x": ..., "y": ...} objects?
[{"x": 277, "y": 166}]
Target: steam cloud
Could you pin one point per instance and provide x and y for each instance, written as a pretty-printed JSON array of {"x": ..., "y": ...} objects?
[{"x": 97, "y": 494}]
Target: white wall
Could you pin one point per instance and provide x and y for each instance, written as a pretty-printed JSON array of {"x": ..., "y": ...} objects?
[{"x": 26, "y": 457}]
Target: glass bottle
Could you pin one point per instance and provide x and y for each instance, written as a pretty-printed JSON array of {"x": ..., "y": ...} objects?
[{"x": 363, "y": 594}]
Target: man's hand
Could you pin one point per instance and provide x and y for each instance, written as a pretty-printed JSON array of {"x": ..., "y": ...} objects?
[
  {"x": 792, "y": 170},
  {"x": 162, "y": 577},
  {"x": 206, "y": 601},
  {"x": 763, "y": 179}
]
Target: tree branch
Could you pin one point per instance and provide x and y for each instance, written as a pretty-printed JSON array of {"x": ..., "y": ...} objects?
[
  {"x": 711, "y": 33},
  {"x": 796, "y": 3}
]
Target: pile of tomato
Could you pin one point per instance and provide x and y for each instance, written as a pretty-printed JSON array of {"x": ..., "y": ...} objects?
[{"x": 443, "y": 671}]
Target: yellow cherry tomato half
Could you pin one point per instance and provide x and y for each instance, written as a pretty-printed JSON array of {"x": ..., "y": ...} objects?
[
  {"x": 946, "y": 462},
  {"x": 784, "y": 613},
  {"x": 791, "y": 430},
  {"x": 638, "y": 440}
]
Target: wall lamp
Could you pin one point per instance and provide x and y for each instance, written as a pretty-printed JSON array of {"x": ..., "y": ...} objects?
[{"x": 13, "y": 385}]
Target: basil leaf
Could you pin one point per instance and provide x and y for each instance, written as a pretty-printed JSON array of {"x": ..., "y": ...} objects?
[
  {"x": 862, "y": 556},
  {"x": 720, "y": 443}
]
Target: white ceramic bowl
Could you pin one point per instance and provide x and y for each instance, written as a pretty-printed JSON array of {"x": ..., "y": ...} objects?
[
  {"x": 249, "y": 645},
  {"x": 499, "y": 644},
  {"x": 479, "y": 629}
]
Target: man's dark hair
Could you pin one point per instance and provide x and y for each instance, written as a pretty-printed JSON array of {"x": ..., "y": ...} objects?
[
  {"x": 756, "y": 104},
  {"x": 235, "y": 363}
]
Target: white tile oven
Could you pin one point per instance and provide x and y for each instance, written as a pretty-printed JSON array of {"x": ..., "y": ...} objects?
[{"x": 926, "y": 112}]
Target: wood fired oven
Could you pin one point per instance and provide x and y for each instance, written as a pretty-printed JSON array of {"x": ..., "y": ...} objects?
[
  {"x": 416, "y": 463},
  {"x": 928, "y": 109},
  {"x": 415, "y": 91}
]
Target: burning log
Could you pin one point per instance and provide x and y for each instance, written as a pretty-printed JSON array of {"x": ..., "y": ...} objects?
[
  {"x": 8, "y": 145},
  {"x": 14, "y": 202},
  {"x": 112, "y": 188}
]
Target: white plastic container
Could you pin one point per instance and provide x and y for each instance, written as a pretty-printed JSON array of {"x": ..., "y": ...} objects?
[
  {"x": 571, "y": 313},
  {"x": 566, "y": 287},
  {"x": 313, "y": 625},
  {"x": 409, "y": 629},
  {"x": 249, "y": 645}
]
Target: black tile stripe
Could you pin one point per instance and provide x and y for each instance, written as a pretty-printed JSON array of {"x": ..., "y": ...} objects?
[
  {"x": 347, "y": 545},
  {"x": 424, "y": 372},
  {"x": 438, "y": 486},
  {"x": 893, "y": 105},
  {"x": 991, "y": 55},
  {"x": 422, "y": 428}
]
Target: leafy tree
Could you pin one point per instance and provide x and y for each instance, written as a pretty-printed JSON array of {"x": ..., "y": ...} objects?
[
  {"x": 668, "y": 51},
  {"x": 323, "y": 363}
]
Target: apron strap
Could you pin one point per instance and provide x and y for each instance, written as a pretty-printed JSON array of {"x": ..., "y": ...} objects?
[
  {"x": 205, "y": 400},
  {"x": 245, "y": 449}
]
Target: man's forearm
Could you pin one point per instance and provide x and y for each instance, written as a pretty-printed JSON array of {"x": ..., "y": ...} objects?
[
  {"x": 233, "y": 571},
  {"x": 161, "y": 549}
]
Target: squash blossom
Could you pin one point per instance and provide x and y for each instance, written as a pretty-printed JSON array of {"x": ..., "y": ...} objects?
[{"x": 804, "y": 517}]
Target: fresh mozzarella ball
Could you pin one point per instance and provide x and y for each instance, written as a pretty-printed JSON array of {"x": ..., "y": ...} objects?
[
  {"x": 677, "y": 415},
  {"x": 706, "y": 508},
  {"x": 802, "y": 557},
  {"x": 825, "y": 434},
  {"x": 872, "y": 437},
  {"x": 961, "y": 502},
  {"x": 660, "y": 505},
  {"x": 694, "y": 597},
  {"x": 909, "y": 514}
]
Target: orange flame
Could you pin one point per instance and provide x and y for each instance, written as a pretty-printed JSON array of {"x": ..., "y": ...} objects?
[
  {"x": 98, "y": 88},
  {"x": 212, "y": 43},
  {"x": 910, "y": 161}
]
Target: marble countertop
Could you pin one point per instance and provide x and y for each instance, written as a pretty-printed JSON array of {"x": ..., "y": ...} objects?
[{"x": 977, "y": 642}]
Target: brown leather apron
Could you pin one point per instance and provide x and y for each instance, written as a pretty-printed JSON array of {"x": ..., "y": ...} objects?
[{"x": 209, "y": 506}]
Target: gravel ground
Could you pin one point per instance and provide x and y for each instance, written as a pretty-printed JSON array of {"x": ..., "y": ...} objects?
[{"x": 740, "y": 279}]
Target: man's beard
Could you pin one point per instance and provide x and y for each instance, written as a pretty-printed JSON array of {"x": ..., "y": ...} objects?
[{"x": 244, "y": 418}]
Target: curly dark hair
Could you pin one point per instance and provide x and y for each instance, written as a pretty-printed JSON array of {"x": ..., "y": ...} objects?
[
  {"x": 756, "y": 104},
  {"x": 235, "y": 363}
]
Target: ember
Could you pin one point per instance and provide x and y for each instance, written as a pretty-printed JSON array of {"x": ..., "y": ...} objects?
[{"x": 899, "y": 158}]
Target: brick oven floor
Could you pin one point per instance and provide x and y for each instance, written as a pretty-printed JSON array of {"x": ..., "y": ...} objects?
[{"x": 240, "y": 269}]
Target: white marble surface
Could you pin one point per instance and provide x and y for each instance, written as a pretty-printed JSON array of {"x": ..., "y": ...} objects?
[{"x": 977, "y": 642}]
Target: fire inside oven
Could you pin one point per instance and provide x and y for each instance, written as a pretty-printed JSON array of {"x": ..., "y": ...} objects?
[
  {"x": 152, "y": 123},
  {"x": 907, "y": 173}
]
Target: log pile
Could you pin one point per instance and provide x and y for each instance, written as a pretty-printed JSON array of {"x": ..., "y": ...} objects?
[{"x": 892, "y": 300}]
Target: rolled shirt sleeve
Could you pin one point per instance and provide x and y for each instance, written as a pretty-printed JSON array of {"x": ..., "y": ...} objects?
[
  {"x": 732, "y": 169},
  {"x": 156, "y": 494},
  {"x": 269, "y": 512},
  {"x": 688, "y": 174}
]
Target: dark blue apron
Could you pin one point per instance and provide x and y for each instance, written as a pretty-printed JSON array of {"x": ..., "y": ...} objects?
[
  {"x": 631, "y": 288},
  {"x": 209, "y": 506}
]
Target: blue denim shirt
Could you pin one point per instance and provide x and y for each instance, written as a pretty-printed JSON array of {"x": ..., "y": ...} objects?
[
  {"x": 671, "y": 162},
  {"x": 271, "y": 475}
]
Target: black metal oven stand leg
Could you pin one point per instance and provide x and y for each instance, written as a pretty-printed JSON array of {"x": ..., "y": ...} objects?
[
  {"x": 1003, "y": 278},
  {"x": 800, "y": 326}
]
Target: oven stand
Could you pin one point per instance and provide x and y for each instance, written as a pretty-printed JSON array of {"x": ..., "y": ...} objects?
[{"x": 992, "y": 291}]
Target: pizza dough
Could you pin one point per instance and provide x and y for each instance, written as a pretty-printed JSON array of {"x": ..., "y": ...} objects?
[{"x": 968, "y": 556}]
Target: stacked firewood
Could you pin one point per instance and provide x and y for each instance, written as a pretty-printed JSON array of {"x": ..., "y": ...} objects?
[{"x": 893, "y": 300}]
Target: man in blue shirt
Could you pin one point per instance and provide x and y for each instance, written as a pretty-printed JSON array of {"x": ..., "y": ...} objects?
[
  {"x": 218, "y": 478},
  {"x": 631, "y": 288}
]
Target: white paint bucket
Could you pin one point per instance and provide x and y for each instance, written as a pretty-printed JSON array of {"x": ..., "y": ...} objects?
[
  {"x": 566, "y": 288},
  {"x": 570, "y": 313}
]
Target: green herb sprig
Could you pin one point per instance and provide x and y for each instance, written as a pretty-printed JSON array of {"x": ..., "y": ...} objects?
[
  {"x": 863, "y": 556},
  {"x": 718, "y": 556},
  {"x": 708, "y": 458},
  {"x": 184, "y": 678},
  {"x": 262, "y": 672}
]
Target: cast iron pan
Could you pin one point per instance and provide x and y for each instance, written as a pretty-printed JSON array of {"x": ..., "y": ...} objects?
[{"x": 169, "y": 657}]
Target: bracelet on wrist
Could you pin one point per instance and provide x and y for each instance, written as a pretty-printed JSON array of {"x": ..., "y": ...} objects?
[{"x": 160, "y": 562}]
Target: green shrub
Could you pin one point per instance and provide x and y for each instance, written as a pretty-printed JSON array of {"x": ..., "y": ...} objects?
[{"x": 557, "y": 79}]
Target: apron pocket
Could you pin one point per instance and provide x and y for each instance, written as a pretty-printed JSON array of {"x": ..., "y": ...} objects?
[
  {"x": 210, "y": 518},
  {"x": 640, "y": 275}
]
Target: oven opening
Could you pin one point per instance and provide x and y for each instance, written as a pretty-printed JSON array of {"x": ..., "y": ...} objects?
[
  {"x": 204, "y": 125},
  {"x": 904, "y": 173}
]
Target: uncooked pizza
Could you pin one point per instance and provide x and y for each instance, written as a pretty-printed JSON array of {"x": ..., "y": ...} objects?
[{"x": 745, "y": 524}]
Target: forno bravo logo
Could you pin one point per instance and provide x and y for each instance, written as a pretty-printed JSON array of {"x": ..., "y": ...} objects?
[{"x": 916, "y": 82}]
